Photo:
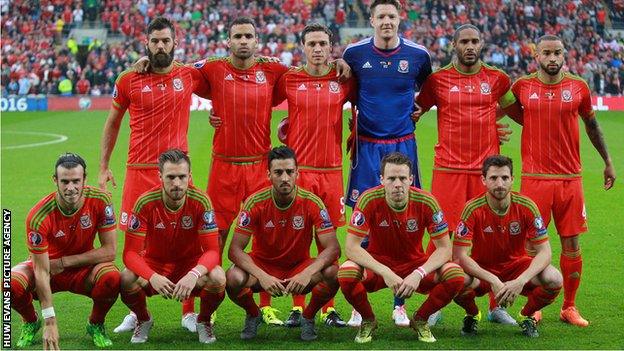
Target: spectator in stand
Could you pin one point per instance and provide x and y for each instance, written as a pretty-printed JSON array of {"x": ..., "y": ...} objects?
[{"x": 83, "y": 85}]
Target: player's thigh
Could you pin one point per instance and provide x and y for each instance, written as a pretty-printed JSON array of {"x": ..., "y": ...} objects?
[
  {"x": 24, "y": 274},
  {"x": 73, "y": 280},
  {"x": 408, "y": 147},
  {"x": 98, "y": 271},
  {"x": 226, "y": 191},
  {"x": 569, "y": 212},
  {"x": 450, "y": 190},
  {"x": 549, "y": 277},
  {"x": 137, "y": 182},
  {"x": 513, "y": 269},
  {"x": 541, "y": 191},
  {"x": 365, "y": 168}
]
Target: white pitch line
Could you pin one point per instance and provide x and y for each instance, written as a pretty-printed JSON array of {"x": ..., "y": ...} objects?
[{"x": 59, "y": 139}]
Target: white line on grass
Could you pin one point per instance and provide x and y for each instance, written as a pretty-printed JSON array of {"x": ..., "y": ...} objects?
[{"x": 59, "y": 139}]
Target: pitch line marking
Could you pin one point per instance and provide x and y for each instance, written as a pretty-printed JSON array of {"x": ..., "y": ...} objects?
[{"x": 59, "y": 139}]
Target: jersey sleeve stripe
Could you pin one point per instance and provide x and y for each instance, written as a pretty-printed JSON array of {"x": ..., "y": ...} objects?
[
  {"x": 471, "y": 206},
  {"x": 461, "y": 242},
  {"x": 42, "y": 213},
  {"x": 527, "y": 202},
  {"x": 145, "y": 199},
  {"x": 369, "y": 196},
  {"x": 256, "y": 198}
]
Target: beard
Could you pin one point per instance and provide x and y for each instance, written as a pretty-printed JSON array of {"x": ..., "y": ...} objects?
[
  {"x": 160, "y": 59},
  {"x": 468, "y": 62},
  {"x": 551, "y": 71}
]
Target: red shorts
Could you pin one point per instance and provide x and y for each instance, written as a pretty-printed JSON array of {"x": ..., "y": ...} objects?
[
  {"x": 173, "y": 271},
  {"x": 453, "y": 190},
  {"x": 72, "y": 279},
  {"x": 282, "y": 272},
  {"x": 230, "y": 183},
  {"x": 564, "y": 198},
  {"x": 329, "y": 186},
  {"x": 137, "y": 182},
  {"x": 373, "y": 282},
  {"x": 507, "y": 272}
]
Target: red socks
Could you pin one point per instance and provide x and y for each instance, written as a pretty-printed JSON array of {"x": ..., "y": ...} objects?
[
  {"x": 21, "y": 298},
  {"x": 210, "y": 298},
  {"x": 571, "y": 264},
  {"x": 350, "y": 280}
]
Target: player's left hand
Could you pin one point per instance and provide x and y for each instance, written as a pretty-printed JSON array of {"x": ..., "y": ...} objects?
[
  {"x": 409, "y": 286},
  {"x": 418, "y": 112},
  {"x": 609, "y": 176},
  {"x": 271, "y": 59},
  {"x": 503, "y": 131},
  {"x": 343, "y": 70},
  {"x": 298, "y": 283},
  {"x": 56, "y": 266},
  {"x": 184, "y": 287},
  {"x": 510, "y": 291},
  {"x": 215, "y": 121}
]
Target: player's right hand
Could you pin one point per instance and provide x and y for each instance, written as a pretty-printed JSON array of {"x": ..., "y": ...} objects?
[
  {"x": 104, "y": 177},
  {"x": 50, "y": 334},
  {"x": 184, "y": 287},
  {"x": 393, "y": 281},
  {"x": 215, "y": 121},
  {"x": 503, "y": 131},
  {"x": 141, "y": 66},
  {"x": 609, "y": 176},
  {"x": 272, "y": 285},
  {"x": 162, "y": 285},
  {"x": 418, "y": 112}
]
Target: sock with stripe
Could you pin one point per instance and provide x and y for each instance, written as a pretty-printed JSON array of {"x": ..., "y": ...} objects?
[
  {"x": 265, "y": 299},
  {"x": 538, "y": 298},
  {"x": 571, "y": 263},
  {"x": 104, "y": 293},
  {"x": 135, "y": 299},
  {"x": 188, "y": 305},
  {"x": 299, "y": 301},
  {"x": 350, "y": 280},
  {"x": 21, "y": 298},
  {"x": 452, "y": 282},
  {"x": 466, "y": 299},
  {"x": 321, "y": 293},
  {"x": 245, "y": 300},
  {"x": 210, "y": 298}
]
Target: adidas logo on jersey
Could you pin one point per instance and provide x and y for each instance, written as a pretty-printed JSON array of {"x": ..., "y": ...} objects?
[
  {"x": 367, "y": 65},
  {"x": 302, "y": 87},
  {"x": 146, "y": 89},
  {"x": 533, "y": 96},
  {"x": 384, "y": 223},
  {"x": 269, "y": 224},
  {"x": 229, "y": 77},
  {"x": 454, "y": 89},
  {"x": 488, "y": 229},
  {"x": 59, "y": 234},
  {"x": 160, "y": 226}
]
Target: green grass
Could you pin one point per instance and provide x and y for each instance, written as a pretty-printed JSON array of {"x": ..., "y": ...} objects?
[{"x": 26, "y": 178}]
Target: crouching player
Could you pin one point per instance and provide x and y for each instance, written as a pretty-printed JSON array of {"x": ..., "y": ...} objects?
[
  {"x": 490, "y": 245},
  {"x": 394, "y": 216},
  {"x": 60, "y": 231},
  {"x": 174, "y": 223},
  {"x": 283, "y": 219}
]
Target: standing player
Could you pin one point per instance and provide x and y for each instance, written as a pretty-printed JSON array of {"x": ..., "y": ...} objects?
[
  {"x": 467, "y": 93},
  {"x": 159, "y": 104},
  {"x": 168, "y": 223},
  {"x": 394, "y": 216},
  {"x": 389, "y": 70},
  {"x": 282, "y": 219},
  {"x": 314, "y": 131},
  {"x": 489, "y": 245},
  {"x": 551, "y": 165},
  {"x": 61, "y": 229}
]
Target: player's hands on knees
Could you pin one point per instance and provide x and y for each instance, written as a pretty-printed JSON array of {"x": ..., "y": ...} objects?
[
  {"x": 104, "y": 177},
  {"x": 393, "y": 281},
  {"x": 50, "y": 334},
  {"x": 184, "y": 287},
  {"x": 141, "y": 66},
  {"x": 510, "y": 291},
  {"x": 56, "y": 266},
  {"x": 409, "y": 286},
  {"x": 609, "y": 177},
  {"x": 298, "y": 283},
  {"x": 343, "y": 70},
  {"x": 272, "y": 285},
  {"x": 503, "y": 131},
  {"x": 215, "y": 121},
  {"x": 162, "y": 285}
]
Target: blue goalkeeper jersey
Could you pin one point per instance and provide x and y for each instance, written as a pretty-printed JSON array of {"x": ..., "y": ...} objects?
[{"x": 387, "y": 81}]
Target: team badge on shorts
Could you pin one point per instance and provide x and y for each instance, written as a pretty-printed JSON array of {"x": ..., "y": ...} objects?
[
  {"x": 514, "y": 228},
  {"x": 35, "y": 239},
  {"x": 566, "y": 95},
  {"x": 134, "y": 222},
  {"x": 357, "y": 218},
  {"x": 334, "y": 87},
  {"x": 403, "y": 66},
  {"x": 177, "y": 84},
  {"x": 85, "y": 221},
  {"x": 297, "y": 222},
  {"x": 411, "y": 225},
  {"x": 260, "y": 77},
  {"x": 485, "y": 89},
  {"x": 244, "y": 219},
  {"x": 187, "y": 222}
]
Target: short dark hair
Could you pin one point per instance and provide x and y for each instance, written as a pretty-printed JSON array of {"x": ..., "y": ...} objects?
[
  {"x": 496, "y": 161},
  {"x": 548, "y": 37},
  {"x": 174, "y": 156},
  {"x": 160, "y": 23},
  {"x": 396, "y": 158},
  {"x": 281, "y": 153},
  {"x": 316, "y": 27},
  {"x": 70, "y": 160},
  {"x": 464, "y": 27},
  {"x": 376, "y": 3},
  {"x": 242, "y": 20}
]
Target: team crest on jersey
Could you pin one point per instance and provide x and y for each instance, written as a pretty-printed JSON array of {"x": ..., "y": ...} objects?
[
  {"x": 177, "y": 84},
  {"x": 297, "y": 222},
  {"x": 109, "y": 215},
  {"x": 411, "y": 225},
  {"x": 244, "y": 219},
  {"x": 566, "y": 96},
  {"x": 35, "y": 239},
  {"x": 115, "y": 92},
  {"x": 85, "y": 221},
  {"x": 485, "y": 89},
  {"x": 260, "y": 77},
  {"x": 134, "y": 222},
  {"x": 461, "y": 229},
  {"x": 199, "y": 64},
  {"x": 514, "y": 228},
  {"x": 357, "y": 219},
  {"x": 354, "y": 195},
  {"x": 187, "y": 222},
  {"x": 403, "y": 66},
  {"x": 124, "y": 218},
  {"x": 334, "y": 87}
]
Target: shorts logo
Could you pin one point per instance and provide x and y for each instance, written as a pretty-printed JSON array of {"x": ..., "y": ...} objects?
[
  {"x": 354, "y": 195},
  {"x": 260, "y": 77},
  {"x": 357, "y": 219},
  {"x": 35, "y": 238},
  {"x": 177, "y": 84},
  {"x": 334, "y": 87},
  {"x": 461, "y": 229},
  {"x": 109, "y": 215},
  {"x": 187, "y": 222},
  {"x": 85, "y": 221},
  {"x": 514, "y": 228},
  {"x": 584, "y": 212},
  {"x": 124, "y": 218},
  {"x": 297, "y": 222},
  {"x": 411, "y": 225},
  {"x": 566, "y": 96},
  {"x": 437, "y": 217},
  {"x": 403, "y": 66},
  {"x": 199, "y": 64},
  {"x": 115, "y": 93},
  {"x": 485, "y": 89},
  {"x": 244, "y": 219},
  {"x": 134, "y": 222}
]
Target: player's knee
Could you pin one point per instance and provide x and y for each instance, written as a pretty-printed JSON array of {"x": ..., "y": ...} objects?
[
  {"x": 349, "y": 274},
  {"x": 552, "y": 278},
  {"x": 235, "y": 278},
  {"x": 217, "y": 276},
  {"x": 570, "y": 243},
  {"x": 453, "y": 277},
  {"x": 330, "y": 273},
  {"x": 127, "y": 279},
  {"x": 106, "y": 283}
]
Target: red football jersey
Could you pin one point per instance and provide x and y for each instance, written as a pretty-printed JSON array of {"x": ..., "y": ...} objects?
[
  {"x": 172, "y": 236},
  {"x": 159, "y": 107},
  {"x": 50, "y": 230},
  {"x": 396, "y": 237},
  {"x": 499, "y": 239},
  {"x": 315, "y": 116},
  {"x": 550, "y": 135},
  {"x": 281, "y": 237},
  {"x": 243, "y": 99},
  {"x": 466, "y": 114}
]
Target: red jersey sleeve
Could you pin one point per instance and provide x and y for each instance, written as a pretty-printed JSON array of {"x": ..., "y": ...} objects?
[
  {"x": 279, "y": 92},
  {"x": 36, "y": 234},
  {"x": 106, "y": 215},
  {"x": 247, "y": 221},
  {"x": 426, "y": 97},
  {"x": 585, "y": 108},
  {"x": 279, "y": 71},
  {"x": 503, "y": 91},
  {"x": 464, "y": 231},
  {"x": 536, "y": 231},
  {"x": 121, "y": 93},
  {"x": 320, "y": 218},
  {"x": 436, "y": 223},
  {"x": 351, "y": 86},
  {"x": 135, "y": 243},
  {"x": 358, "y": 225},
  {"x": 201, "y": 87}
]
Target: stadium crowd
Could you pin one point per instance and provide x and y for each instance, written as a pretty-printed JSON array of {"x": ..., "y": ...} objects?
[{"x": 39, "y": 56}]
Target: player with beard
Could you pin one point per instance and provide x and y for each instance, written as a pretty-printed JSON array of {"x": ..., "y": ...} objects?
[
  {"x": 467, "y": 93},
  {"x": 552, "y": 100},
  {"x": 159, "y": 104}
]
